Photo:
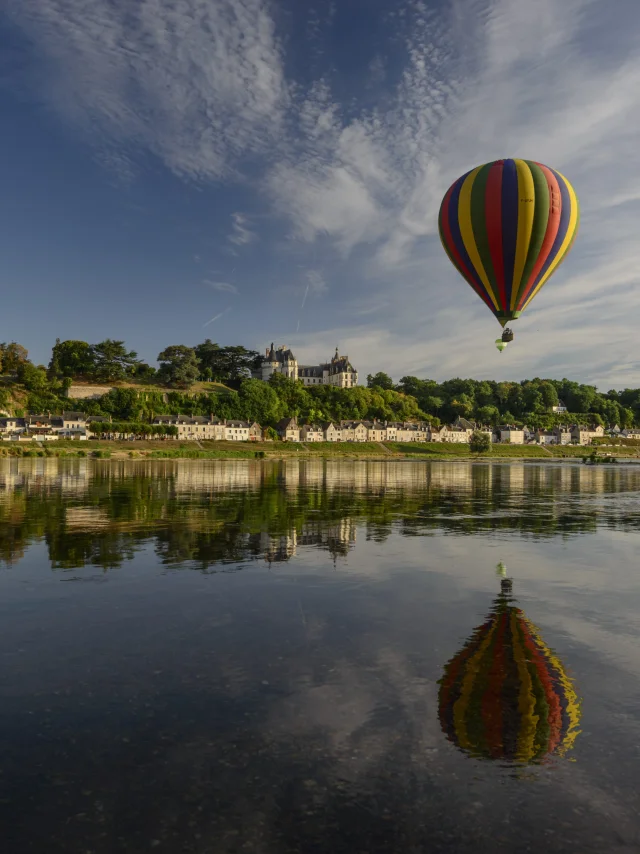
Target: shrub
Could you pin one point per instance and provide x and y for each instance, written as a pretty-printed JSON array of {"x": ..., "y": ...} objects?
[{"x": 479, "y": 443}]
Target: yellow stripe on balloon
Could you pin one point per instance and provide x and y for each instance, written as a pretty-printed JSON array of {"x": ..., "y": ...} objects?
[
  {"x": 462, "y": 703},
  {"x": 571, "y": 698},
  {"x": 566, "y": 243},
  {"x": 466, "y": 231},
  {"x": 526, "y": 700},
  {"x": 526, "y": 211}
]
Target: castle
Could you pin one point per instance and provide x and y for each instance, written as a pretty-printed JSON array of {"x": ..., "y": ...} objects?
[{"x": 338, "y": 372}]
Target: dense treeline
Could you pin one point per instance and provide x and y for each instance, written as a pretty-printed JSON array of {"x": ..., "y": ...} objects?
[
  {"x": 266, "y": 403},
  {"x": 485, "y": 401},
  {"x": 178, "y": 365},
  {"x": 529, "y": 401}
]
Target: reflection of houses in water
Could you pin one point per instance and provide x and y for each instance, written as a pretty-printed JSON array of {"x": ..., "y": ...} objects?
[
  {"x": 278, "y": 548},
  {"x": 86, "y": 518},
  {"x": 35, "y": 474},
  {"x": 74, "y": 476},
  {"x": 337, "y": 538},
  {"x": 216, "y": 476}
]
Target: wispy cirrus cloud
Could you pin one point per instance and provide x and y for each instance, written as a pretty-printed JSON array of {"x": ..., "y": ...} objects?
[
  {"x": 222, "y": 287},
  {"x": 217, "y": 316},
  {"x": 198, "y": 84},
  {"x": 241, "y": 233},
  {"x": 316, "y": 282}
]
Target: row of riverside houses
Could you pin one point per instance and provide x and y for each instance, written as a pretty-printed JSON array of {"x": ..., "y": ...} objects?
[
  {"x": 45, "y": 428},
  {"x": 75, "y": 425},
  {"x": 460, "y": 431}
]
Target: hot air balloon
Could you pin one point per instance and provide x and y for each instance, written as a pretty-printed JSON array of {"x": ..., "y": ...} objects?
[
  {"x": 500, "y": 344},
  {"x": 505, "y": 695},
  {"x": 506, "y": 226}
]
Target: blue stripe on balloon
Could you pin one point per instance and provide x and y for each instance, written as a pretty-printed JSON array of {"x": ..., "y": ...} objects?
[
  {"x": 509, "y": 224},
  {"x": 456, "y": 236},
  {"x": 565, "y": 218}
]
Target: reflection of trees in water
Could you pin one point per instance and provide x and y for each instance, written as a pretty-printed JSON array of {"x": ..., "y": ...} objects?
[{"x": 207, "y": 513}]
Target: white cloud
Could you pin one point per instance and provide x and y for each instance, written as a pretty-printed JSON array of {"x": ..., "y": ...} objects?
[
  {"x": 241, "y": 233},
  {"x": 316, "y": 282},
  {"x": 223, "y": 287},
  {"x": 196, "y": 83},
  {"x": 217, "y": 316}
]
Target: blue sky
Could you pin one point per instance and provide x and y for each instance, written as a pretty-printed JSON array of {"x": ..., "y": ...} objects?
[{"x": 279, "y": 167}]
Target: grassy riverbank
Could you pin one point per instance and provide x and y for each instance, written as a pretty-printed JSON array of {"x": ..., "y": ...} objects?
[{"x": 157, "y": 449}]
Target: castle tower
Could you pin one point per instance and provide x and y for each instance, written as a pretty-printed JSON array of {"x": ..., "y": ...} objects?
[{"x": 269, "y": 363}]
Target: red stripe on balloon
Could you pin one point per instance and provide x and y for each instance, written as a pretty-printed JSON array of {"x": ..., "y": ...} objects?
[
  {"x": 493, "y": 219},
  {"x": 492, "y": 698},
  {"x": 555, "y": 211},
  {"x": 555, "y": 709},
  {"x": 446, "y": 231}
]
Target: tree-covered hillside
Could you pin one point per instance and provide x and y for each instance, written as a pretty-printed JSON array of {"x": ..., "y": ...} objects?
[{"x": 169, "y": 390}]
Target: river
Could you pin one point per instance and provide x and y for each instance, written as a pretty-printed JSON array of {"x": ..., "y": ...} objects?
[{"x": 319, "y": 657}]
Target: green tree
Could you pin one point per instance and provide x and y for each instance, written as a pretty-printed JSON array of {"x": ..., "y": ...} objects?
[
  {"x": 239, "y": 362},
  {"x": 379, "y": 380},
  {"x": 142, "y": 371},
  {"x": 479, "y": 443},
  {"x": 462, "y": 405},
  {"x": 484, "y": 394},
  {"x": 12, "y": 356},
  {"x": 532, "y": 399},
  {"x": 298, "y": 400},
  {"x": 71, "y": 359},
  {"x": 32, "y": 378},
  {"x": 208, "y": 354},
  {"x": 112, "y": 360},
  {"x": 549, "y": 394},
  {"x": 260, "y": 402},
  {"x": 178, "y": 365},
  {"x": 488, "y": 415},
  {"x": 227, "y": 364}
]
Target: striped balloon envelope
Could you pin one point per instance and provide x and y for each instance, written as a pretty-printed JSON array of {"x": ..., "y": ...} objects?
[
  {"x": 506, "y": 226},
  {"x": 505, "y": 695}
]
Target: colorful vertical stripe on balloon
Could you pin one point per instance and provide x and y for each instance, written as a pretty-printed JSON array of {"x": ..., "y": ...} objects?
[{"x": 506, "y": 226}]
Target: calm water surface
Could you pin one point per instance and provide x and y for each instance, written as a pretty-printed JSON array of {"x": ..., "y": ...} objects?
[{"x": 316, "y": 657}]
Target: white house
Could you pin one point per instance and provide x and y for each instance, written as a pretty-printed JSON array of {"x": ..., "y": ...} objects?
[
  {"x": 376, "y": 431},
  {"x": 353, "y": 431},
  {"x": 312, "y": 433},
  {"x": 332, "y": 432},
  {"x": 11, "y": 426},
  {"x": 288, "y": 430},
  {"x": 236, "y": 431},
  {"x": 456, "y": 434},
  {"x": 512, "y": 435},
  {"x": 632, "y": 433},
  {"x": 563, "y": 435},
  {"x": 582, "y": 435},
  {"x": 560, "y": 407}
]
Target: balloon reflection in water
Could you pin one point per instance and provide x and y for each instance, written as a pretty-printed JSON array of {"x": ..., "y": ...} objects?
[{"x": 505, "y": 695}]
